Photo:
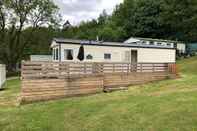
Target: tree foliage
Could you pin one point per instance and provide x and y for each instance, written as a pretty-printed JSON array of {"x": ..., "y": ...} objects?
[
  {"x": 166, "y": 19},
  {"x": 16, "y": 15}
]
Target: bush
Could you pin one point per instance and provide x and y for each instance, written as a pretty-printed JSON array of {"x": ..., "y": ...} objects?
[{"x": 13, "y": 74}]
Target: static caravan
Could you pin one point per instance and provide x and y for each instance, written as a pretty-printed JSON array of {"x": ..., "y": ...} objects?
[
  {"x": 89, "y": 67},
  {"x": 2, "y": 75},
  {"x": 132, "y": 51}
]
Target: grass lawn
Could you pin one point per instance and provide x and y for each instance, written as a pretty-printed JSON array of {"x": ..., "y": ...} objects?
[{"x": 169, "y": 105}]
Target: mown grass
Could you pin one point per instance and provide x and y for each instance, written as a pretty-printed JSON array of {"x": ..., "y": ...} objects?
[{"x": 169, "y": 105}]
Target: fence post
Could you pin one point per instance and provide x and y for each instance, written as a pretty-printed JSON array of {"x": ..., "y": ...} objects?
[
  {"x": 85, "y": 71},
  {"x": 128, "y": 68},
  {"x": 60, "y": 68},
  {"x": 113, "y": 67},
  {"x": 141, "y": 67},
  {"x": 153, "y": 69},
  {"x": 94, "y": 68},
  {"x": 172, "y": 68},
  {"x": 22, "y": 69},
  {"x": 68, "y": 69}
]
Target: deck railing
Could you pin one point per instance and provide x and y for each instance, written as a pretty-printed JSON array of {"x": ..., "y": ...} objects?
[{"x": 67, "y": 69}]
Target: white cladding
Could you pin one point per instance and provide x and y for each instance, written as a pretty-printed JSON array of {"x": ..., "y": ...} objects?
[
  {"x": 181, "y": 47},
  {"x": 2, "y": 75},
  {"x": 119, "y": 54}
]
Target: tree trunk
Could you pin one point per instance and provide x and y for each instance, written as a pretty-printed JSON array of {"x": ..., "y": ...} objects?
[{"x": 11, "y": 67}]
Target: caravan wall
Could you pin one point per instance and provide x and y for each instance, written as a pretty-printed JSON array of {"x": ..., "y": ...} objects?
[{"x": 2, "y": 75}]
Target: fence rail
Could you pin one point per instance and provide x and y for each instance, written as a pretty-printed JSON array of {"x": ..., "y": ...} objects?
[{"x": 67, "y": 69}]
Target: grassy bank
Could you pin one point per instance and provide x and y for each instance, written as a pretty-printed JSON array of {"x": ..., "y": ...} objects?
[{"x": 161, "y": 106}]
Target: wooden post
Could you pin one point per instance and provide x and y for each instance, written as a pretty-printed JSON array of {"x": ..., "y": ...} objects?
[
  {"x": 122, "y": 68},
  {"x": 59, "y": 68},
  {"x": 172, "y": 69},
  {"x": 128, "y": 68},
  {"x": 85, "y": 70},
  {"x": 95, "y": 68},
  {"x": 101, "y": 68},
  {"x": 113, "y": 67},
  {"x": 68, "y": 69},
  {"x": 153, "y": 68},
  {"x": 169, "y": 68}
]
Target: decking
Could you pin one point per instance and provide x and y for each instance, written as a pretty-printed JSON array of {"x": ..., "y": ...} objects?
[{"x": 53, "y": 80}]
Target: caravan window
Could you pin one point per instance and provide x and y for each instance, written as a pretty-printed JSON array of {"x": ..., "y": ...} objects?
[
  {"x": 168, "y": 44},
  {"x": 159, "y": 43},
  {"x": 144, "y": 42},
  {"x": 151, "y": 43},
  {"x": 68, "y": 54},
  {"x": 107, "y": 56}
]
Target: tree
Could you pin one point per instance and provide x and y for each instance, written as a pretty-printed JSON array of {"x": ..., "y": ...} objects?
[
  {"x": 102, "y": 19},
  {"x": 40, "y": 41},
  {"x": 179, "y": 19},
  {"x": 166, "y": 19},
  {"x": 111, "y": 32},
  {"x": 16, "y": 15}
]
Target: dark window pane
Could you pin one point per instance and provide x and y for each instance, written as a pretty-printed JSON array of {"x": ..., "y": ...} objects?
[
  {"x": 151, "y": 43},
  {"x": 57, "y": 54},
  {"x": 168, "y": 44},
  {"x": 107, "y": 56},
  {"x": 159, "y": 43},
  {"x": 53, "y": 54},
  {"x": 68, "y": 54}
]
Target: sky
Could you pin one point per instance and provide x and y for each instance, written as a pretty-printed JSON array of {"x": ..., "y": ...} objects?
[{"x": 82, "y": 10}]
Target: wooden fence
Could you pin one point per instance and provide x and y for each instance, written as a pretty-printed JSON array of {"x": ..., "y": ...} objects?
[
  {"x": 51, "y": 80},
  {"x": 33, "y": 70}
]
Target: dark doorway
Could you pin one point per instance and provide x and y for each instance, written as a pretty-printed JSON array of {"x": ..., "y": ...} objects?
[
  {"x": 134, "y": 56},
  {"x": 134, "y": 60}
]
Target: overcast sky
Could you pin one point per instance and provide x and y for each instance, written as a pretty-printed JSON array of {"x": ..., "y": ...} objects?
[{"x": 82, "y": 10}]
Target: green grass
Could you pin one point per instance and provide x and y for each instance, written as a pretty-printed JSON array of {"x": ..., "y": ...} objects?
[{"x": 169, "y": 105}]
